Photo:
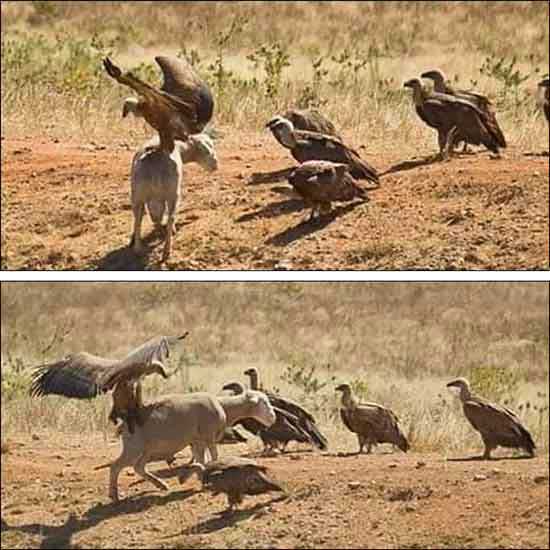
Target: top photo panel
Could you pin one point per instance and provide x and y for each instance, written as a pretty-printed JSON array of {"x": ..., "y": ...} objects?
[{"x": 275, "y": 136}]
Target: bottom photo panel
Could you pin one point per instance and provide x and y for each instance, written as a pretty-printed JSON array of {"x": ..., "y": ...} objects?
[{"x": 275, "y": 415}]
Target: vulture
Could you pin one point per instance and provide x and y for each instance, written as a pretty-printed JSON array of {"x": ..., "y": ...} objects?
[
  {"x": 311, "y": 120},
  {"x": 305, "y": 420},
  {"x": 480, "y": 101},
  {"x": 545, "y": 85},
  {"x": 371, "y": 422},
  {"x": 497, "y": 425},
  {"x": 233, "y": 476},
  {"x": 454, "y": 119},
  {"x": 285, "y": 429},
  {"x": 83, "y": 375},
  {"x": 320, "y": 182},
  {"x": 305, "y": 145},
  {"x": 182, "y": 106}
]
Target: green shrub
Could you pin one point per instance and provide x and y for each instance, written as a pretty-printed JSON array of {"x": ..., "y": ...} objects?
[{"x": 495, "y": 383}]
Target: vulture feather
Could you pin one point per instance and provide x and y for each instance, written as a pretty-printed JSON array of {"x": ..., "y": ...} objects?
[
  {"x": 371, "y": 422},
  {"x": 311, "y": 120},
  {"x": 498, "y": 426},
  {"x": 545, "y": 85}
]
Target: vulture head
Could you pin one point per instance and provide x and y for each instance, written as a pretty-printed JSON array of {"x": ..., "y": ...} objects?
[
  {"x": 545, "y": 83},
  {"x": 131, "y": 105},
  {"x": 436, "y": 75},
  {"x": 283, "y": 130},
  {"x": 236, "y": 387},
  {"x": 344, "y": 388},
  {"x": 413, "y": 83},
  {"x": 462, "y": 385}
]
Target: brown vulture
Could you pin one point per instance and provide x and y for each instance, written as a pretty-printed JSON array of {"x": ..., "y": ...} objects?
[
  {"x": 305, "y": 146},
  {"x": 545, "y": 85},
  {"x": 454, "y": 119},
  {"x": 285, "y": 429},
  {"x": 182, "y": 106},
  {"x": 83, "y": 375},
  {"x": 311, "y": 120},
  {"x": 497, "y": 425},
  {"x": 321, "y": 182},
  {"x": 233, "y": 476},
  {"x": 305, "y": 420},
  {"x": 480, "y": 101},
  {"x": 371, "y": 422}
]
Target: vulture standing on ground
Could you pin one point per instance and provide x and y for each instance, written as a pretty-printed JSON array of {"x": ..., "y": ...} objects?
[
  {"x": 233, "y": 476},
  {"x": 545, "y": 84},
  {"x": 454, "y": 119},
  {"x": 83, "y": 375},
  {"x": 306, "y": 422},
  {"x": 371, "y": 422},
  {"x": 285, "y": 429},
  {"x": 306, "y": 146},
  {"x": 320, "y": 182},
  {"x": 480, "y": 101},
  {"x": 182, "y": 106},
  {"x": 311, "y": 120},
  {"x": 497, "y": 425}
]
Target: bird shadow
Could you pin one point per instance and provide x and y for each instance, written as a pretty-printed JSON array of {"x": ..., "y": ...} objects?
[
  {"x": 273, "y": 210},
  {"x": 59, "y": 536},
  {"x": 308, "y": 227},
  {"x": 538, "y": 155},
  {"x": 492, "y": 459},
  {"x": 412, "y": 164},
  {"x": 228, "y": 519}
]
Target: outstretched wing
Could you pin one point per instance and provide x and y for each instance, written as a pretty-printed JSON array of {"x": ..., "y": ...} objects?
[
  {"x": 164, "y": 111},
  {"x": 83, "y": 375}
]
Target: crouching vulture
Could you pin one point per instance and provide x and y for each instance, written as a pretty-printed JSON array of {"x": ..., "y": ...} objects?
[
  {"x": 498, "y": 426},
  {"x": 83, "y": 375},
  {"x": 545, "y": 85},
  {"x": 182, "y": 106},
  {"x": 285, "y": 429},
  {"x": 304, "y": 146},
  {"x": 233, "y": 476},
  {"x": 320, "y": 183},
  {"x": 479, "y": 100},
  {"x": 371, "y": 422},
  {"x": 304, "y": 419},
  {"x": 454, "y": 119}
]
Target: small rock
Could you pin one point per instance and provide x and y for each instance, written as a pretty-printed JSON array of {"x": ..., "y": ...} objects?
[
  {"x": 354, "y": 484},
  {"x": 295, "y": 457},
  {"x": 392, "y": 465},
  {"x": 35, "y": 437},
  {"x": 496, "y": 471},
  {"x": 480, "y": 477},
  {"x": 541, "y": 479},
  {"x": 420, "y": 464},
  {"x": 410, "y": 507}
]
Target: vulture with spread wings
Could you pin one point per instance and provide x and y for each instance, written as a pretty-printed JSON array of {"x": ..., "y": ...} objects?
[
  {"x": 182, "y": 106},
  {"x": 83, "y": 375}
]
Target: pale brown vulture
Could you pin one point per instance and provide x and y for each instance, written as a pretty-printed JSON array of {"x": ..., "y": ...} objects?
[
  {"x": 182, "y": 106},
  {"x": 320, "y": 183},
  {"x": 83, "y": 375},
  {"x": 545, "y": 85},
  {"x": 497, "y": 425},
  {"x": 311, "y": 120},
  {"x": 305, "y": 420},
  {"x": 305, "y": 146},
  {"x": 480, "y": 101},
  {"x": 454, "y": 119},
  {"x": 371, "y": 422},
  {"x": 285, "y": 429},
  {"x": 233, "y": 476}
]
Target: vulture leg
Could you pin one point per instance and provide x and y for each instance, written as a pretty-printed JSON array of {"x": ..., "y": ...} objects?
[
  {"x": 448, "y": 147},
  {"x": 488, "y": 448}
]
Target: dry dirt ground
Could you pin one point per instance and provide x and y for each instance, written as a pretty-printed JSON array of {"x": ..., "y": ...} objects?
[
  {"x": 52, "y": 498},
  {"x": 66, "y": 206}
]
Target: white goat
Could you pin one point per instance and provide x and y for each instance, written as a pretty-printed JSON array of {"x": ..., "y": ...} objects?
[
  {"x": 176, "y": 421},
  {"x": 156, "y": 181}
]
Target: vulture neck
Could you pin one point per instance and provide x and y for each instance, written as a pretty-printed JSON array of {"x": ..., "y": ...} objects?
[
  {"x": 419, "y": 95},
  {"x": 465, "y": 394},
  {"x": 166, "y": 142},
  {"x": 254, "y": 385},
  {"x": 349, "y": 400}
]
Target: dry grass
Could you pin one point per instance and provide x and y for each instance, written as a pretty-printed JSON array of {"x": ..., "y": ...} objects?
[
  {"x": 402, "y": 342},
  {"x": 52, "y": 81}
]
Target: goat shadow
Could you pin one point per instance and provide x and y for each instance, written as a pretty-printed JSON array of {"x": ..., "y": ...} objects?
[
  {"x": 308, "y": 227},
  {"x": 537, "y": 155},
  {"x": 59, "y": 536},
  {"x": 412, "y": 164}
]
